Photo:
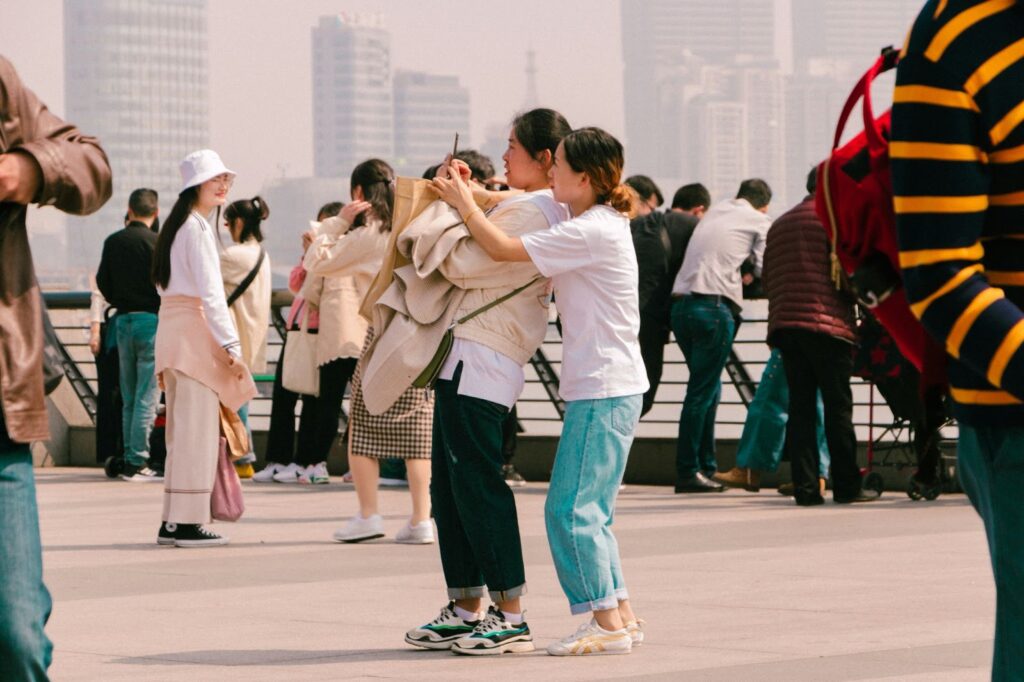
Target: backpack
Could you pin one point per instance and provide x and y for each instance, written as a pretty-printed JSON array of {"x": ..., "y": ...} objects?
[{"x": 854, "y": 201}]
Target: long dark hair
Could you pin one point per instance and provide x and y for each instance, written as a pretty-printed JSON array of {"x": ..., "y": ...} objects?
[
  {"x": 540, "y": 130},
  {"x": 251, "y": 212},
  {"x": 161, "y": 272},
  {"x": 377, "y": 180},
  {"x": 600, "y": 156}
]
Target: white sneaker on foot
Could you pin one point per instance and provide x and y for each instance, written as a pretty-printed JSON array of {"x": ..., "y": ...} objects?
[
  {"x": 420, "y": 534},
  {"x": 635, "y": 628},
  {"x": 315, "y": 474},
  {"x": 592, "y": 640},
  {"x": 359, "y": 529},
  {"x": 289, "y": 474},
  {"x": 266, "y": 475}
]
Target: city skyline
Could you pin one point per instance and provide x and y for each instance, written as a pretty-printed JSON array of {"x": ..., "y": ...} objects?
[{"x": 263, "y": 111}]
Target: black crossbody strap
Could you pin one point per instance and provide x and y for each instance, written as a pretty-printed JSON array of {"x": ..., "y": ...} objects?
[
  {"x": 497, "y": 301},
  {"x": 244, "y": 284}
]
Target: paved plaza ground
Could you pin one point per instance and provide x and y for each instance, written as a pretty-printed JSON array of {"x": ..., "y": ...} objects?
[{"x": 735, "y": 586}]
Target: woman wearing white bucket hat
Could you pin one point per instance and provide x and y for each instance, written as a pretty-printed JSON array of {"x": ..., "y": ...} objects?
[{"x": 197, "y": 350}]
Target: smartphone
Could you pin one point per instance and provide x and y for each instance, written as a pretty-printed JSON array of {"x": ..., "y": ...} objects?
[{"x": 455, "y": 147}]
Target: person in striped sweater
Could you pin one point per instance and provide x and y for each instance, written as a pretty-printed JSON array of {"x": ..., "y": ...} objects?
[{"x": 957, "y": 155}]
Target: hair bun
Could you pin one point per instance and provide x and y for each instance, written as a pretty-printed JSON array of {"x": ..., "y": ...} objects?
[{"x": 621, "y": 198}]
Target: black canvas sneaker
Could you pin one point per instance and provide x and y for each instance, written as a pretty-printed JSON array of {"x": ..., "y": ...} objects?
[
  {"x": 194, "y": 535},
  {"x": 166, "y": 535}
]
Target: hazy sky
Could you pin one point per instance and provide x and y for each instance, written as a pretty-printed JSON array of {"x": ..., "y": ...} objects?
[{"x": 260, "y": 53}]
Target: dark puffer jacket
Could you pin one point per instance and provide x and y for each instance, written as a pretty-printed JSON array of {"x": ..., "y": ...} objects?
[{"x": 796, "y": 278}]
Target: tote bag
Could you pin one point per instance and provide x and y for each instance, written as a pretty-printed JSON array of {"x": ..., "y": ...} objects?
[
  {"x": 226, "y": 502},
  {"x": 300, "y": 373}
]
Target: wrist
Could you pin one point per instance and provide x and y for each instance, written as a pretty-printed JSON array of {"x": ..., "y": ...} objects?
[{"x": 467, "y": 215}]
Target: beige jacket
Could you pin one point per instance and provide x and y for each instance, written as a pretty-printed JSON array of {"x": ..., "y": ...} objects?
[
  {"x": 341, "y": 263},
  {"x": 251, "y": 312},
  {"x": 184, "y": 343},
  {"x": 75, "y": 179},
  {"x": 448, "y": 276}
]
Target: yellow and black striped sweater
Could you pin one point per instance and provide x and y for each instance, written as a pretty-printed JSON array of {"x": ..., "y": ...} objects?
[{"x": 958, "y": 175}]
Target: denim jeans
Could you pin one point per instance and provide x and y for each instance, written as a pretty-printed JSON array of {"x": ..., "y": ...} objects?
[
  {"x": 991, "y": 466},
  {"x": 136, "y": 341},
  {"x": 764, "y": 431},
  {"x": 579, "y": 511},
  {"x": 704, "y": 329},
  {"x": 475, "y": 510},
  {"x": 25, "y": 650}
]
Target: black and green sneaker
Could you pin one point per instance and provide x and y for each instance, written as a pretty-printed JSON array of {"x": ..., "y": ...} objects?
[
  {"x": 442, "y": 631},
  {"x": 495, "y": 635}
]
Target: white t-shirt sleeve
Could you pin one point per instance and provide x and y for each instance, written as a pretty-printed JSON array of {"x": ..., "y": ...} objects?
[
  {"x": 560, "y": 249},
  {"x": 204, "y": 264}
]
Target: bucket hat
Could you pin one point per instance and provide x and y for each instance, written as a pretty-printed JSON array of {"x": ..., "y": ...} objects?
[{"x": 200, "y": 166}]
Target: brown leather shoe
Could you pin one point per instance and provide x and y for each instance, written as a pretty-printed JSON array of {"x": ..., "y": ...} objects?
[
  {"x": 740, "y": 477},
  {"x": 787, "y": 488}
]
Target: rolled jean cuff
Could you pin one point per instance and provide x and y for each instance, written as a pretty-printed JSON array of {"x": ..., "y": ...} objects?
[
  {"x": 467, "y": 592},
  {"x": 498, "y": 596},
  {"x": 601, "y": 604}
]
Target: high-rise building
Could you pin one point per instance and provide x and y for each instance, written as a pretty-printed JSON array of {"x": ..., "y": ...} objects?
[
  {"x": 429, "y": 110},
  {"x": 352, "y": 94},
  {"x": 657, "y": 37},
  {"x": 136, "y": 77},
  {"x": 848, "y": 32}
]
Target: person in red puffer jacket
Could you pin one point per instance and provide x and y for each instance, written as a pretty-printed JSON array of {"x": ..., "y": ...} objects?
[{"x": 812, "y": 323}]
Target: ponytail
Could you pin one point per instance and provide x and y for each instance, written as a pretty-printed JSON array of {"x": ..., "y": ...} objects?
[{"x": 623, "y": 199}]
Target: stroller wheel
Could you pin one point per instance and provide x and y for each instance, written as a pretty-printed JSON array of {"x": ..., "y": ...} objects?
[
  {"x": 873, "y": 481},
  {"x": 113, "y": 466}
]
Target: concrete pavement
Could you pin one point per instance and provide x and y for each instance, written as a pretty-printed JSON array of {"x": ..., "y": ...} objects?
[{"x": 735, "y": 586}]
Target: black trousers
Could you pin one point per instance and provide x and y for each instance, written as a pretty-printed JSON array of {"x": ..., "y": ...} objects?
[
  {"x": 318, "y": 423},
  {"x": 652, "y": 338},
  {"x": 475, "y": 510},
  {"x": 818, "y": 361},
  {"x": 109, "y": 435}
]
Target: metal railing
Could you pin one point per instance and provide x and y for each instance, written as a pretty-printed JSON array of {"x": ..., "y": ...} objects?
[{"x": 540, "y": 409}]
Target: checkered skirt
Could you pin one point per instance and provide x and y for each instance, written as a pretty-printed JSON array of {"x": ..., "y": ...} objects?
[{"x": 402, "y": 432}]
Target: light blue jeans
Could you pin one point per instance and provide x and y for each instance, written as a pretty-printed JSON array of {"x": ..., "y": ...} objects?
[
  {"x": 764, "y": 431},
  {"x": 991, "y": 467},
  {"x": 136, "y": 343},
  {"x": 589, "y": 465},
  {"x": 25, "y": 650}
]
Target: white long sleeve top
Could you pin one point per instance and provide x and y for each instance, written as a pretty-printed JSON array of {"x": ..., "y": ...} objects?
[{"x": 195, "y": 272}]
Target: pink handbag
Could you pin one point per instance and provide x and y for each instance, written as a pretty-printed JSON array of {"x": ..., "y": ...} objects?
[{"x": 226, "y": 502}]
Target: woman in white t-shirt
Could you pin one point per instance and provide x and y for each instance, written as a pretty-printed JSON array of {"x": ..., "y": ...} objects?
[{"x": 591, "y": 261}]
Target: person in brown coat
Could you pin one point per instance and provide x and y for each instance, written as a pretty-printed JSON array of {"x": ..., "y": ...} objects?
[
  {"x": 811, "y": 322},
  {"x": 46, "y": 161}
]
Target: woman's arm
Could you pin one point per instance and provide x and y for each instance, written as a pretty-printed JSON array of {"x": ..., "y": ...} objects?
[{"x": 498, "y": 245}]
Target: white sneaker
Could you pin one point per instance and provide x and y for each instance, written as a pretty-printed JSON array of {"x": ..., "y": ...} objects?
[
  {"x": 266, "y": 475},
  {"x": 392, "y": 483},
  {"x": 289, "y": 474},
  {"x": 635, "y": 628},
  {"x": 593, "y": 640},
  {"x": 315, "y": 474},
  {"x": 358, "y": 529},
  {"x": 420, "y": 534}
]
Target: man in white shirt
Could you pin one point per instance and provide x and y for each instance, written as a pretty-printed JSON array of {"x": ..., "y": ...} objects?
[{"x": 708, "y": 294}]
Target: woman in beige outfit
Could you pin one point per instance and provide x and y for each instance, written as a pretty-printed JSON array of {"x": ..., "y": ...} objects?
[
  {"x": 346, "y": 255},
  {"x": 198, "y": 354},
  {"x": 249, "y": 306}
]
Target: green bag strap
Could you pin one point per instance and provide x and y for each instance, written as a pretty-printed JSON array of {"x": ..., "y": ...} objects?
[{"x": 497, "y": 301}]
